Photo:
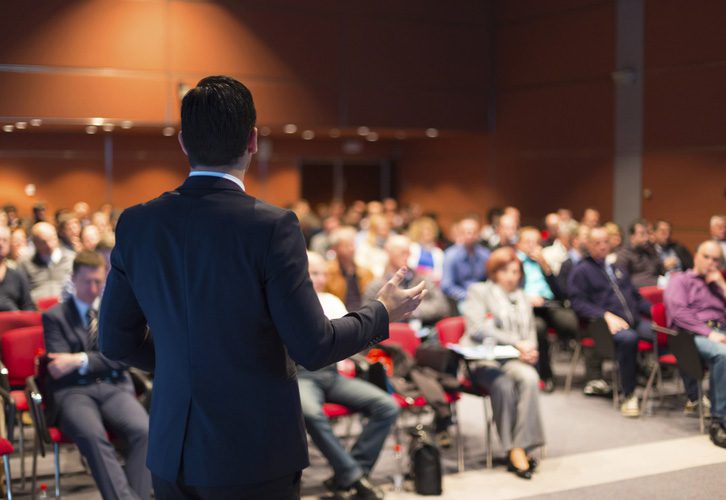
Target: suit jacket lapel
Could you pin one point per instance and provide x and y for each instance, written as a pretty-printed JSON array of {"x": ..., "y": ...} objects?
[{"x": 76, "y": 323}]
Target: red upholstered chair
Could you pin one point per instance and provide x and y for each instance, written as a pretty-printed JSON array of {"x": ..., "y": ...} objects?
[
  {"x": 10, "y": 320},
  {"x": 450, "y": 330},
  {"x": 652, "y": 294},
  {"x": 46, "y": 303},
  {"x": 18, "y": 349}
]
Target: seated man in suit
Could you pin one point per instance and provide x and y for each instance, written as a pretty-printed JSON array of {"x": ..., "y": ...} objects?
[
  {"x": 351, "y": 468},
  {"x": 695, "y": 302},
  {"x": 87, "y": 390}
]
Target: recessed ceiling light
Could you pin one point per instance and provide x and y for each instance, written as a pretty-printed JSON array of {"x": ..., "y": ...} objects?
[
  {"x": 35, "y": 122},
  {"x": 21, "y": 125},
  {"x": 364, "y": 131},
  {"x": 96, "y": 121},
  {"x": 91, "y": 129},
  {"x": 168, "y": 131},
  {"x": 108, "y": 127},
  {"x": 432, "y": 132},
  {"x": 308, "y": 135},
  {"x": 372, "y": 137},
  {"x": 290, "y": 128},
  {"x": 8, "y": 128},
  {"x": 127, "y": 124}
]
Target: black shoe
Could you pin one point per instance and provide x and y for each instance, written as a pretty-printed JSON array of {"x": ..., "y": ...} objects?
[
  {"x": 524, "y": 474},
  {"x": 533, "y": 463},
  {"x": 718, "y": 434},
  {"x": 365, "y": 490},
  {"x": 337, "y": 492}
]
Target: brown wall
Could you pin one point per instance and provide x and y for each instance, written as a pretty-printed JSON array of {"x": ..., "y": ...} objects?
[{"x": 684, "y": 160}]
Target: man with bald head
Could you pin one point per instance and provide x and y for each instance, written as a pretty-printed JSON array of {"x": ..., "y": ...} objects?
[
  {"x": 695, "y": 302},
  {"x": 50, "y": 266}
]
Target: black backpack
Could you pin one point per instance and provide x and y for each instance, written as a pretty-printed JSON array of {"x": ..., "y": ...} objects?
[{"x": 425, "y": 463}]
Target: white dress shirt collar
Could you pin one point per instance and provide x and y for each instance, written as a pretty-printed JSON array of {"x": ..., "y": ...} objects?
[{"x": 223, "y": 175}]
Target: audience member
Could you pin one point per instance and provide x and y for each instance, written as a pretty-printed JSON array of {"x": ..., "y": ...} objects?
[
  {"x": 552, "y": 229},
  {"x": 14, "y": 287},
  {"x": 575, "y": 254},
  {"x": 14, "y": 219},
  {"x": 590, "y": 217},
  {"x": 695, "y": 301},
  {"x": 50, "y": 266},
  {"x": 434, "y": 305},
  {"x": 674, "y": 256},
  {"x": 558, "y": 251},
  {"x": 600, "y": 290},
  {"x": 351, "y": 468},
  {"x": 640, "y": 259},
  {"x": 565, "y": 214},
  {"x": 90, "y": 393},
  {"x": 90, "y": 237},
  {"x": 506, "y": 234},
  {"x": 369, "y": 251},
  {"x": 615, "y": 239},
  {"x": 69, "y": 232},
  {"x": 465, "y": 262},
  {"x": 426, "y": 258},
  {"x": 488, "y": 231},
  {"x": 717, "y": 228},
  {"x": 19, "y": 247},
  {"x": 346, "y": 280},
  {"x": 39, "y": 213},
  {"x": 320, "y": 243},
  {"x": 543, "y": 293},
  {"x": 512, "y": 384},
  {"x": 83, "y": 212}
]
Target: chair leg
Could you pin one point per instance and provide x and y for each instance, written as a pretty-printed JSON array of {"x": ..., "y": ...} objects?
[
  {"x": 56, "y": 456},
  {"x": 488, "y": 431},
  {"x": 459, "y": 439},
  {"x": 649, "y": 386},
  {"x": 701, "y": 417},
  {"x": 616, "y": 385},
  {"x": 33, "y": 490},
  {"x": 21, "y": 445},
  {"x": 573, "y": 365},
  {"x": 8, "y": 482}
]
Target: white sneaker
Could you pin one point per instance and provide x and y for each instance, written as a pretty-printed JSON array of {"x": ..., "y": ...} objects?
[
  {"x": 691, "y": 408},
  {"x": 630, "y": 407}
]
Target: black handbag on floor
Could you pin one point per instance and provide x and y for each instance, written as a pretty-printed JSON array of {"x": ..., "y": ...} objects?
[{"x": 425, "y": 463}]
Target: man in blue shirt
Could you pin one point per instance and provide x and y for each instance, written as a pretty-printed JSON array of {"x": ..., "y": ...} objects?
[{"x": 465, "y": 262}]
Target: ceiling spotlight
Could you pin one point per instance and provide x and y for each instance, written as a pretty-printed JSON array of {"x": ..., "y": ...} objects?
[
  {"x": 334, "y": 133},
  {"x": 168, "y": 131},
  {"x": 8, "y": 128},
  {"x": 308, "y": 135},
  {"x": 364, "y": 131},
  {"x": 91, "y": 129},
  {"x": 127, "y": 124},
  {"x": 432, "y": 132},
  {"x": 108, "y": 127},
  {"x": 96, "y": 121},
  {"x": 29, "y": 190},
  {"x": 21, "y": 125},
  {"x": 290, "y": 128},
  {"x": 265, "y": 131},
  {"x": 372, "y": 137},
  {"x": 35, "y": 122}
]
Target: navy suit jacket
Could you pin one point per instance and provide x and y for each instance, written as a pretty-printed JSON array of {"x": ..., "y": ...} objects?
[{"x": 221, "y": 280}]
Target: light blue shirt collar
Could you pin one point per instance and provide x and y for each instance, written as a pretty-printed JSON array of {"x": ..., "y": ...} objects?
[
  {"x": 223, "y": 175},
  {"x": 83, "y": 309}
]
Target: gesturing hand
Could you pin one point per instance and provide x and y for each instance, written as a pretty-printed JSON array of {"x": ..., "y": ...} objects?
[{"x": 400, "y": 303}]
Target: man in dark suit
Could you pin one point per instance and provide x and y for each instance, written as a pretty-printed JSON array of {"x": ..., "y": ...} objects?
[
  {"x": 87, "y": 390},
  {"x": 221, "y": 280}
]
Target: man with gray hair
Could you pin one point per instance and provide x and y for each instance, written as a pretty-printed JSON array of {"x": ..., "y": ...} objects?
[
  {"x": 14, "y": 288},
  {"x": 50, "y": 267},
  {"x": 695, "y": 301},
  {"x": 559, "y": 251},
  {"x": 717, "y": 228}
]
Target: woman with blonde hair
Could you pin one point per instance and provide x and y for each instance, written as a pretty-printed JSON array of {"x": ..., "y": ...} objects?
[{"x": 426, "y": 258}]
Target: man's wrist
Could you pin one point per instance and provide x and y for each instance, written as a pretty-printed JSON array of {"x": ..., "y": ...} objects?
[{"x": 83, "y": 363}]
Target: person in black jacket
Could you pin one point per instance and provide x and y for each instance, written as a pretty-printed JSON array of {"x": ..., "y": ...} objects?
[
  {"x": 87, "y": 389},
  {"x": 674, "y": 256},
  {"x": 221, "y": 280},
  {"x": 600, "y": 290},
  {"x": 14, "y": 287}
]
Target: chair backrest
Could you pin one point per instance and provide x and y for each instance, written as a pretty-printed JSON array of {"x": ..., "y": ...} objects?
[
  {"x": 403, "y": 335},
  {"x": 652, "y": 294},
  {"x": 19, "y": 349},
  {"x": 684, "y": 349},
  {"x": 450, "y": 330},
  {"x": 46, "y": 303},
  {"x": 658, "y": 314},
  {"x": 10, "y": 320},
  {"x": 599, "y": 331}
]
